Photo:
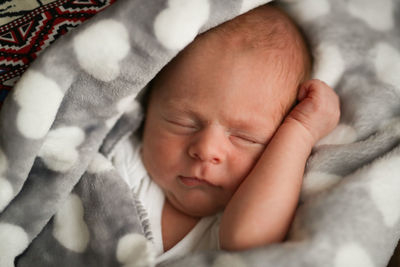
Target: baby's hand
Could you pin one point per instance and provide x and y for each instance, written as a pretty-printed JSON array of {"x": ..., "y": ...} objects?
[{"x": 318, "y": 109}]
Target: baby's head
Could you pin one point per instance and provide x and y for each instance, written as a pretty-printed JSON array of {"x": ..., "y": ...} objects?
[{"x": 214, "y": 107}]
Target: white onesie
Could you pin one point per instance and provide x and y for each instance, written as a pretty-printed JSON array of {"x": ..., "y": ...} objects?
[{"x": 203, "y": 236}]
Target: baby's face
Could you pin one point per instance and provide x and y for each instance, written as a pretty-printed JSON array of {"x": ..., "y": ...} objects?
[{"x": 211, "y": 114}]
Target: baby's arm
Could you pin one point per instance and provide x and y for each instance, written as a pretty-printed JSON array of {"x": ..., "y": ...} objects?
[{"x": 261, "y": 210}]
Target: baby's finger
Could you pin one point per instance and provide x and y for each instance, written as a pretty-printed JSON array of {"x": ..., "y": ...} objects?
[
  {"x": 314, "y": 89},
  {"x": 307, "y": 88}
]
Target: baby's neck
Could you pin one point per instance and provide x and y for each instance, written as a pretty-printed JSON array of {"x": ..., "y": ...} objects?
[{"x": 175, "y": 225}]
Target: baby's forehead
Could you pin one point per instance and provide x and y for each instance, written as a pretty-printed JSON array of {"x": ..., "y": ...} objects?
[
  {"x": 265, "y": 32},
  {"x": 248, "y": 102}
]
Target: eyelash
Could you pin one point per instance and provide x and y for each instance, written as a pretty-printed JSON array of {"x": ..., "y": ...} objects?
[
  {"x": 246, "y": 139},
  {"x": 191, "y": 127},
  {"x": 181, "y": 125}
]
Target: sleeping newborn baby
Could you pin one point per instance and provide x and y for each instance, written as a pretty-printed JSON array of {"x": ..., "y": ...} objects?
[{"x": 229, "y": 125}]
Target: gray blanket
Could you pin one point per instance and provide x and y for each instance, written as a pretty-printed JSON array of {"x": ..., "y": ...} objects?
[{"x": 63, "y": 204}]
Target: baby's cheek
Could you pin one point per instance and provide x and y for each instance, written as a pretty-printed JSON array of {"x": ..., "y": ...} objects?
[
  {"x": 241, "y": 166},
  {"x": 154, "y": 152},
  {"x": 172, "y": 153}
]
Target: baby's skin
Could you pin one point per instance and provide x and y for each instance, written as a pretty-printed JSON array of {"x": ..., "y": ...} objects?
[
  {"x": 217, "y": 136},
  {"x": 251, "y": 219}
]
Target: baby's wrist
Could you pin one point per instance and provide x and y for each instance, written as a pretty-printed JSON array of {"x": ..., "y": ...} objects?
[{"x": 302, "y": 132}]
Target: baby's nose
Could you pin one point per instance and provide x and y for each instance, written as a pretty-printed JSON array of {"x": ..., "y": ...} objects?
[{"x": 209, "y": 145}]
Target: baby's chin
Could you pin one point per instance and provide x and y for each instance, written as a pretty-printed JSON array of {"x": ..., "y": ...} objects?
[{"x": 196, "y": 208}]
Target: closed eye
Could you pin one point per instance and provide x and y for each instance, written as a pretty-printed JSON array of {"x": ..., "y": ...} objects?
[
  {"x": 181, "y": 124},
  {"x": 245, "y": 140}
]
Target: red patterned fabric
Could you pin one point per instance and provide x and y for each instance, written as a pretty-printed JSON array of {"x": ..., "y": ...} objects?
[{"x": 23, "y": 39}]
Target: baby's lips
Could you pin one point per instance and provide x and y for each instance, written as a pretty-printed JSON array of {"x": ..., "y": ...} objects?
[{"x": 193, "y": 181}]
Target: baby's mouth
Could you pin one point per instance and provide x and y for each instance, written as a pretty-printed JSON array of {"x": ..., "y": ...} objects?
[{"x": 191, "y": 182}]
